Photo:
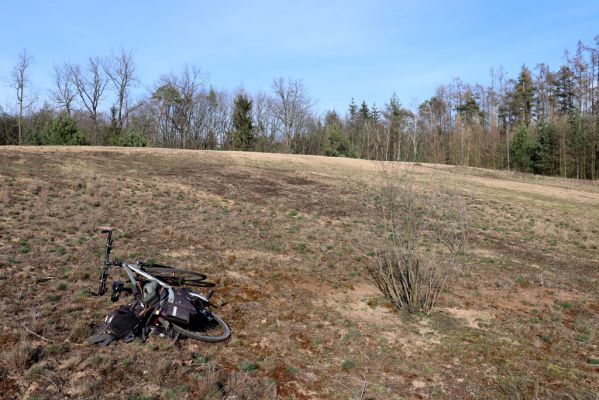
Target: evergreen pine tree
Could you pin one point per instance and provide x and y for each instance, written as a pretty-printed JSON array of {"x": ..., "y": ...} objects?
[{"x": 63, "y": 130}]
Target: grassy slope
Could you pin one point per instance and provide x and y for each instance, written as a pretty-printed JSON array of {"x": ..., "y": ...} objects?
[{"x": 284, "y": 238}]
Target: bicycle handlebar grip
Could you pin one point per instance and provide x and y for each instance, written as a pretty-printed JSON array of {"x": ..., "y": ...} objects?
[{"x": 105, "y": 229}]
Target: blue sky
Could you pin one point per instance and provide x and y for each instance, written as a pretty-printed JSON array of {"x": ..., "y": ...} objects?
[{"x": 340, "y": 49}]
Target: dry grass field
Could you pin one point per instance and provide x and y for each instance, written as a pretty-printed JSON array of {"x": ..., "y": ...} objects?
[{"x": 286, "y": 240}]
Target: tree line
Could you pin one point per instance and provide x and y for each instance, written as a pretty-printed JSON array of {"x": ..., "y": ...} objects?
[{"x": 543, "y": 121}]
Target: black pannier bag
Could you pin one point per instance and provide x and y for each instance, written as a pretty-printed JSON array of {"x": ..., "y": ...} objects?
[
  {"x": 123, "y": 323},
  {"x": 180, "y": 309}
]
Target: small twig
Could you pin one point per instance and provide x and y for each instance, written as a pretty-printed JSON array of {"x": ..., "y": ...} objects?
[
  {"x": 363, "y": 387},
  {"x": 348, "y": 389},
  {"x": 42, "y": 279},
  {"x": 33, "y": 333}
]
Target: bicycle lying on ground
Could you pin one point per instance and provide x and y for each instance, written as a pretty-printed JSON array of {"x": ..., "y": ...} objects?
[{"x": 162, "y": 305}]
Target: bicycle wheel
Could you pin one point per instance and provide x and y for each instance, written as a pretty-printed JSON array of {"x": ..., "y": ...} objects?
[
  {"x": 211, "y": 331},
  {"x": 178, "y": 277}
]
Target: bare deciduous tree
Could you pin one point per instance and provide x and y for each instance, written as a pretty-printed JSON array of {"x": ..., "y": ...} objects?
[
  {"x": 90, "y": 85},
  {"x": 267, "y": 125},
  {"x": 19, "y": 80},
  {"x": 177, "y": 99},
  {"x": 120, "y": 70},
  {"x": 64, "y": 91},
  {"x": 291, "y": 106}
]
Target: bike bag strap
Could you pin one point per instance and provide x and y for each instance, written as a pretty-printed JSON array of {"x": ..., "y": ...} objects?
[{"x": 104, "y": 339}]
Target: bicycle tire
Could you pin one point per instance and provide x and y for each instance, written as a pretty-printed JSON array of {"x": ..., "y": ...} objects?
[
  {"x": 179, "y": 277},
  {"x": 226, "y": 331},
  {"x": 154, "y": 265}
]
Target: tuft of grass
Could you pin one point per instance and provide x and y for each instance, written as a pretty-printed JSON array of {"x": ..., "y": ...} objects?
[
  {"x": 247, "y": 366},
  {"x": 125, "y": 362},
  {"x": 583, "y": 338},
  {"x": 152, "y": 347},
  {"x": 24, "y": 246},
  {"x": 59, "y": 250},
  {"x": 200, "y": 359},
  {"x": 96, "y": 361},
  {"x": 347, "y": 365},
  {"x": 99, "y": 251},
  {"x": 80, "y": 330},
  {"x": 83, "y": 293},
  {"x": 301, "y": 248},
  {"x": 56, "y": 348},
  {"x": 62, "y": 286},
  {"x": 139, "y": 396},
  {"x": 274, "y": 247},
  {"x": 16, "y": 358},
  {"x": 173, "y": 393},
  {"x": 53, "y": 298}
]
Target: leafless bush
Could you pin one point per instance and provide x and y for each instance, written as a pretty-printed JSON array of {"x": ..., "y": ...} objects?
[{"x": 418, "y": 236}]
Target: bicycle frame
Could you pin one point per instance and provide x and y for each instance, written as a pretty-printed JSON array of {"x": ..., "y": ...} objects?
[{"x": 131, "y": 270}]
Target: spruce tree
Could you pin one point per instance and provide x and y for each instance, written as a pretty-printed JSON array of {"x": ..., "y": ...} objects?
[
  {"x": 521, "y": 149},
  {"x": 524, "y": 93},
  {"x": 353, "y": 110},
  {"x": 337, "y": 144},
  {"x": 243, "y": 125},
  {"x": 544, "y": 160},
  {"x": 364, "y": 112}
]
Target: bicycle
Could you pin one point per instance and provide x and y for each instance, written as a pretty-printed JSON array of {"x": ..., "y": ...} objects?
[{"x": 161, "y": 302}]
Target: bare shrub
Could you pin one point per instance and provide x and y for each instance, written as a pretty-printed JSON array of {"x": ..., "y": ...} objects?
[{"x": 418, "y": 236}]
